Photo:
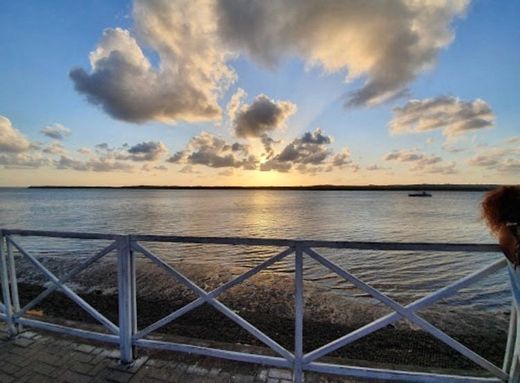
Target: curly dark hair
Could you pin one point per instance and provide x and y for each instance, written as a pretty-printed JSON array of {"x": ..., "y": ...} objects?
[{"x": 500, "y": 206}]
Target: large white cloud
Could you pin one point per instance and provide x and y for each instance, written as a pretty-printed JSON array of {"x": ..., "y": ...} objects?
[
  {"x": 11, "y": 139},
  {"x": 389, "y": 42},
  {"x": 452, "y": 115},
  {"x": 186, "y": 82}
]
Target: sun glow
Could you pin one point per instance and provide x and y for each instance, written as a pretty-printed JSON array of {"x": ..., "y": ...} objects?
[{"x": 270, "y": 178}]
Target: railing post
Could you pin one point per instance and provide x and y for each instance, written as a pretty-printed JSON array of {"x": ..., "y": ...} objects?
[
  {"x": 514, "y": 368},
  {"x": 512, "y": 356},
  {"x": 4, "y": 279},
  {"x": 298, "y": 315},
  {"x": 14, "y": 282},
  {"x": 126, "y": 288}
]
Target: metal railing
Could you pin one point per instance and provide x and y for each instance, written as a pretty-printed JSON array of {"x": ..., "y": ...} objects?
[{"x": 128, "y": 336}]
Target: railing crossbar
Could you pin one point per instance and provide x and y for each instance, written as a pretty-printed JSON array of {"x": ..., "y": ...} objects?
[
  {"x": 397, "y": 375},
  {"x": 414, "y": 306},
  {"x": 73, "y": 273},
  {"x": 212, "y": 294},
  {"x": 71, "y": 294},
  {"x": 215, "y": 352},
  {"x": 410, "y": 315},
  {"x": 92, "y": 335},
  {"x": 275, "y": 346}
]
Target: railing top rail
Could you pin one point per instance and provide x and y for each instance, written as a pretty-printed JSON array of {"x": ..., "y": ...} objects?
[
  {"x": 358, "y": 245},
  {"x": 355, "y": 245}
]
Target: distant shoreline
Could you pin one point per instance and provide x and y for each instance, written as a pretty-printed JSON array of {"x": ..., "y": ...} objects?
[{"x": 411, "y": 187}]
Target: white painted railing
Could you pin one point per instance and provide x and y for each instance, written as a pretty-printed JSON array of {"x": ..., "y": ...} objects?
[{"x": 128, "y": 336}]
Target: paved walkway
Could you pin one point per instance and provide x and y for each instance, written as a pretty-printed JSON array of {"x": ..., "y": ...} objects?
[{"x": 41, "y": 357}]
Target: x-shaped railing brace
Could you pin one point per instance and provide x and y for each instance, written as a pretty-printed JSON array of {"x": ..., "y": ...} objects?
[
  {"x": 407, "y": 312},
  {"x": 210, "y": 298},
  {"x": 60, "y": 284}
]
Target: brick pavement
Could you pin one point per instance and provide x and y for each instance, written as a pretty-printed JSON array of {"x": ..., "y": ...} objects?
[{"x": 42, "y": 357}]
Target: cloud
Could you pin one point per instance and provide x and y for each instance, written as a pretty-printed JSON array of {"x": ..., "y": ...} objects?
[
  {"x": 268, "y": 143},
  {"x": 11, "y": 139},
  {"x": 342, "y": 158},
  {"x": 99, "y": 164},
  {"x": 187, "y": 80},
  {"x": 235, "y": 102},
  {"x": 262, "y": 116},
  {"x": 416, "y": 160},
  {"x": 23, "y": 160},
  {"x": 510, "y": 165},
  {"x": 308, "y": 154},
  {"x": 309, "y": 149},
  {"x": 276, "y": 164},
  {"x": 144, "y": 151},
  {"x": 103, "y": 147},
  {"x": 147, "y": 167},
  {"x": 448, "y": 147},
  {"x": 209, "y": 150},
  {"x": 54, "y": 148},
  {"x": 513, "y": 140},
  {"x": 66, "y": 162},
  {"x": 85, "y": 151},
  {"x": 388, "y": 43},
  {"x": 443, "y": 169},
  {"x": 188, "y": 169},
  {"x": 56, "y": 131},
  {"x": 452, "y": 115},
  {"x": 227, "y": 172},
  {"x": 403, "y": 156},
  {"x": 497, "y": 159},
  {"x": 116, "y": 159},
  {"x": 147, "y": 151},
  {"x": 376, "y": 167}
]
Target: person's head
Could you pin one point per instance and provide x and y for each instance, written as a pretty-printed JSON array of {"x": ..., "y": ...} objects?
[
  {"x": 501, "y": 210},
  {"x": 500, "y": 207}
]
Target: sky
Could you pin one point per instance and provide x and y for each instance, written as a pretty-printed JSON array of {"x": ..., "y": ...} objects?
[{"x": 287, "y": 92}]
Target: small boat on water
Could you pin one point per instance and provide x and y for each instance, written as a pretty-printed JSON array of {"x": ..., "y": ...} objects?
[{"x": 420, "y": 194}]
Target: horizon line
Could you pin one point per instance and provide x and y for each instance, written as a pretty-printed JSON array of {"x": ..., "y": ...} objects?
[{"x": 427, "y": 186}]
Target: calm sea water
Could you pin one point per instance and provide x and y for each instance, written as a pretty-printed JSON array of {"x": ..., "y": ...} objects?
[{"x": 328, "y": 215}]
